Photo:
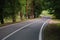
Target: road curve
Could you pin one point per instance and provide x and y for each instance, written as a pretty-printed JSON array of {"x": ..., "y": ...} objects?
[{"x": 30, "y": 32}]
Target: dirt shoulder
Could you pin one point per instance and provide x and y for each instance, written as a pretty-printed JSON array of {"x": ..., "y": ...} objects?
[{"x": 54, "y": 21}]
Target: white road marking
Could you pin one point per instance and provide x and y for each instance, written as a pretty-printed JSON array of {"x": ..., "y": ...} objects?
[
  {"x": 8, "y": 25},
  {"x": 40, "y": 38},
  {"x": 14, "y": 24},
  {"x": 40, "y": 34},
  {"x": 16, "y": 31}
]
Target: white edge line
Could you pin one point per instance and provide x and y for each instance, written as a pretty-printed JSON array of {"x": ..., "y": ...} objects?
[
  {"x": 40, "y": 33},
  {"x": 10, "y": 25},
  {"x": 16, "y": 31},
  {"x": 14, "y": 24}
]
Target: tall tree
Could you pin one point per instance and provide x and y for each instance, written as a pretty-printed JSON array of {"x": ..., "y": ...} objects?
[
  {"x": 53, "y": 6},
  {"x": 2, "y": 3},
  {"x": 23, "y": 6},
  {"x": 21, "y": 15},
  {"x": 15, "y": 6},
  {"x": 9, "y": 8},
  {"x": 37, "y": 8},
  {"x": 27, "y": 8}
]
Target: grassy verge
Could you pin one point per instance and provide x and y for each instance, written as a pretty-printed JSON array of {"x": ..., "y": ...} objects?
[
  {"x": 8, "y": 23},
  {"x": 52, "y": 32}
]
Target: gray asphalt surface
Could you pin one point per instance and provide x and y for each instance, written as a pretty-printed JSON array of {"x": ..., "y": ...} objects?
[
  {"x": 4, "y": 31},
  {"x": 28, "y": 33}
]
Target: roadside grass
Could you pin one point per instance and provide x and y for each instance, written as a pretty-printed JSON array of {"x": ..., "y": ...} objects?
[
  {"x": 52, "y": 31},
  {"x": 9, "y": 21}
]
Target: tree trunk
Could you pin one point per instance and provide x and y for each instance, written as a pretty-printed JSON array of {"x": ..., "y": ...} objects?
[
  {"x": 2, "y": 19},
  {"x": 27, "y": 9},
  {"x": 13, "y": 18},
  {"x": 32, "y": 10},
  {"x": 21, "y": 15}
]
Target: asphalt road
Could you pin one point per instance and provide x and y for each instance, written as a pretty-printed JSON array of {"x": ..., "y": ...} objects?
[{"x": 30, "y": 32}]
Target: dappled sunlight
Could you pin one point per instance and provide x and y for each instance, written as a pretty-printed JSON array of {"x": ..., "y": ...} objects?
[{"x": 45, "y": 13}]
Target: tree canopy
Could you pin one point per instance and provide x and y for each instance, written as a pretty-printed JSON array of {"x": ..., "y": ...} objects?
[
  {"x": 8, "y": 8},
  {"x": 53, "y": 6}
]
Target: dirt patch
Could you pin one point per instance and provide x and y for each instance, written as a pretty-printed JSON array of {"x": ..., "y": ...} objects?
[{"x": 54, "y": 21}]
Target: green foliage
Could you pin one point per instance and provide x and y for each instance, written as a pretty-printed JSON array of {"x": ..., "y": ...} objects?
[
  {"x": 9, "y": 8},
  {"x": 37, "y": 7},
  {"x": 23, "y": 6},
  {"x": 53, "y": 6}
]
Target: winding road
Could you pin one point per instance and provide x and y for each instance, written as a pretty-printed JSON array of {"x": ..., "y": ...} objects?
[{"x": 27, "y": 30}]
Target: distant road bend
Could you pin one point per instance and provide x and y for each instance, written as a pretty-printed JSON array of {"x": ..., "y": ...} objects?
[{"x": 28, "y": 30}]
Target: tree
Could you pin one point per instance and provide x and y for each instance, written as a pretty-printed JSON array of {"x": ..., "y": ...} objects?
[
  {"x": 15, "y": 7},
  {"x": 37, "y": 8},
  {"x": 27, "y": 9},
  {"x": 12, "y": 7},
  {"x": 9, "y": 8},
  {"x": 2, "y": 3},
  {"x": 33, "y": 8},
  {"x": 53, "y": 6},
  {"x": 21, "y": 15},
  {"x": 22, "y": 11},
  {"x": 57, "y": 8}
]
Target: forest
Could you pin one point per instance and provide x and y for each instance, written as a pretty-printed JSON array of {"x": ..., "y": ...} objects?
[{"x": 28, "y": 9}]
